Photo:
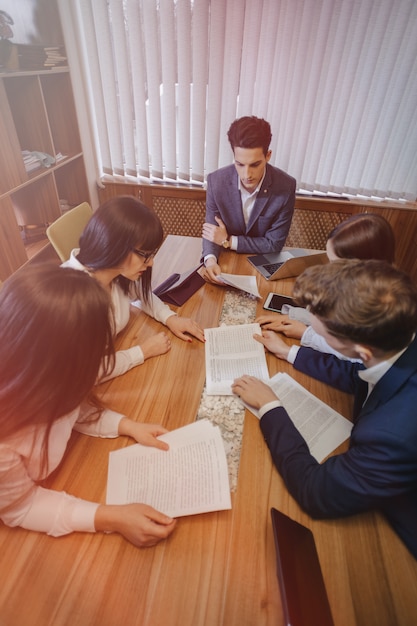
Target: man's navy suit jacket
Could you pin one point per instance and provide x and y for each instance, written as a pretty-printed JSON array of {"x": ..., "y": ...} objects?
[
  {"x": 271, "y": 216},
  {"x": 379, "y": 470}
]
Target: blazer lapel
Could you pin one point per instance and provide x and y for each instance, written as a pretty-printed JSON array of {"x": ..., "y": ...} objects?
[
  {"x": 235, "y": 200},
  {"x": 359, "y": 398},
  {"x": 261, "y": 199},
  {"x": 396, "y": 376}
]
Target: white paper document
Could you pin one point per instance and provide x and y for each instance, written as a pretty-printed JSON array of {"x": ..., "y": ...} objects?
[
  {"x": 323, "y": 428},
  {"x": 230, "y": 352},
  {"x": 244, "y": 283},
  {"x": 191, "y": 477}
]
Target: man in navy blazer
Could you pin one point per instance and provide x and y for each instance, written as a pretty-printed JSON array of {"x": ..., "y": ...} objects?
[
  {"x": 367, "y": 310},
  {"x": 249, "y": 204}
]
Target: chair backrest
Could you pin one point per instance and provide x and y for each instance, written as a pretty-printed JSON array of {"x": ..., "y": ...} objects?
[{"x": 64, "y": 233}]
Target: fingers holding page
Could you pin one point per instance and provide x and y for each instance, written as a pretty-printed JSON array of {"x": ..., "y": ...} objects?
[{"x": 139, "y": 523}]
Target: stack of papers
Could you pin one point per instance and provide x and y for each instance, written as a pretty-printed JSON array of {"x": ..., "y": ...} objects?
[
  {"x": 230, "y": 352},
  {"x": 191, "y": 477}
]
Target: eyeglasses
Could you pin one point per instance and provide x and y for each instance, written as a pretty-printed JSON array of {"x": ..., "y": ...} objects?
[{"x": 146, "y": 256}]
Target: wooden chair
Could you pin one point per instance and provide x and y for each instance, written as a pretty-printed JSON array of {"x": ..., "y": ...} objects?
[{"x": 64, "y": 233}]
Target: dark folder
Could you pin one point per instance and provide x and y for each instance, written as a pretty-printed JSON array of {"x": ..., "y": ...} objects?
[
  {"x": 303, "y": 594},
  {"x": 178, "y": 288}
]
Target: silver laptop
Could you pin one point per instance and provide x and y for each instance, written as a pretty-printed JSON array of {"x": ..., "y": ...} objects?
[{"x": 287, "y": 263}]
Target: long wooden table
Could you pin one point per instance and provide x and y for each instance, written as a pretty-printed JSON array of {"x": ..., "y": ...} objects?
[{"x": 217, "y": 569}]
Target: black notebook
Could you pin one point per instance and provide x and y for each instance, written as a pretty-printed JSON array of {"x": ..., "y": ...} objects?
[{"x": 303, "y": 594}]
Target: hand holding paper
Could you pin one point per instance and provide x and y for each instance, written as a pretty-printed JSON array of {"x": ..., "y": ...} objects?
[
  {"x": 244, "y": 283},
  {"x": 323, "y": 428},
  {"x": 191, "y": 477}
]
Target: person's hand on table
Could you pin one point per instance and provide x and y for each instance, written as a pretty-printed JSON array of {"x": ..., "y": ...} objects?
[
  {"x": 272, "y": 321},
  {"x": 183, "y": 327},
  {"x": 155, "y": 345},
  {"x": 282, "y": 324},
  {"x": 139, "y": 523},
  {"x": 273, "y": 343},
  {"x": 253, "y": 391}
]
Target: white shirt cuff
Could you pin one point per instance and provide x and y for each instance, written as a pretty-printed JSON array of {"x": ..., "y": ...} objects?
[
  {"x": 58, "y": 513},
  {"x": 210, "y": 256},
  {"x": 292, "y": 354},
  {"x": 268, "y": 406},
  {"x": 106, "y": 426}
]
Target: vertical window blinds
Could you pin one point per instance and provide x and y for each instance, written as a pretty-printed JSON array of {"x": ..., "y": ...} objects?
[{"x": 336, "y": 79}]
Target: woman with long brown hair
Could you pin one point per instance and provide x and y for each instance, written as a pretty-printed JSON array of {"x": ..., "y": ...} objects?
[{"x": 55, "y": 335}]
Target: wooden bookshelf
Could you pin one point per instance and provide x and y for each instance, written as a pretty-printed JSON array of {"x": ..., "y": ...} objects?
[{"x": 37, "y": 114}]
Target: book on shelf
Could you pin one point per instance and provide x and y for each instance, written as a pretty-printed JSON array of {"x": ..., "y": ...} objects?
[
  {"x": 230, "y": 352},
  {"x": 190, "y": 478},
  {"x": 30, "y": 161},
  {"x": 36, "y": 57},
  {"x": 323, "y": 428}
]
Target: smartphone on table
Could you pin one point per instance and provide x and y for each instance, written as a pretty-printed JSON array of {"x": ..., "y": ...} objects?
[{"x": 275, "y": 302}]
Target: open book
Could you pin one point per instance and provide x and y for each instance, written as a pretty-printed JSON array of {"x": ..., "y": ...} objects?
[
  {"x": 230, "y": 352},
  {"x": 191, "y": 477},
  {"x": 323, "y": 428}
]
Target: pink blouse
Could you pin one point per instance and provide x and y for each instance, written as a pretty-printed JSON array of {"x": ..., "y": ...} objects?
[{"x": 25, "y": 503}]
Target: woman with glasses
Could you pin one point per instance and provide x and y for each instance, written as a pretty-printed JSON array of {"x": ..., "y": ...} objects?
[{"x": 117, "y": 248}]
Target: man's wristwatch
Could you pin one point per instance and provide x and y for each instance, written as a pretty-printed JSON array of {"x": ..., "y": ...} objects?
[{"x": 226, "y": 243}]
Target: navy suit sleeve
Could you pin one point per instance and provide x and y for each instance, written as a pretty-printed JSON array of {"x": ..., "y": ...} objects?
[
  {"x": 358, "y": 480},
  {"x": 329, "y": 369},
  {"x": 379, "y": 470}
]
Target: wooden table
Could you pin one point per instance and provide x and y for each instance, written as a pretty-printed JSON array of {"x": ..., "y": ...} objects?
[{"x": 217, "y": 569}]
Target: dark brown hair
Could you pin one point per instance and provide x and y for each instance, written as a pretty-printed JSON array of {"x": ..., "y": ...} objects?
[
  {"x": 55, "y": 332},
  {"x": 116, "y": 228},
  {"x": 250, "y": 132},
  {"x": 364, "y": 236}
]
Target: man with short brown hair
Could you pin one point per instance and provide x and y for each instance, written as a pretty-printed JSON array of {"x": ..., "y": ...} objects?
[
  {"x": 250, "y": 204},
  {"x": 365, "y": 310}
]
